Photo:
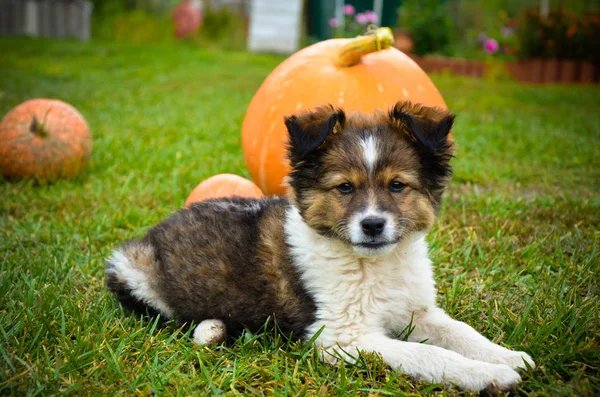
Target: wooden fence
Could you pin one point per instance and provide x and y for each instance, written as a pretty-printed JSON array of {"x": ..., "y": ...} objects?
[{"x": 46, "y": 18}]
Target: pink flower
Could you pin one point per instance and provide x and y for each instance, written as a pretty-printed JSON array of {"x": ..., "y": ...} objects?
[
  {"x": 334, "y": 23},
  {"x": 372, "y": 17},
  {"x": 491, "y": 46},
  {"x": 362, "y": 19},
  {"x": 349, "y": 9}
]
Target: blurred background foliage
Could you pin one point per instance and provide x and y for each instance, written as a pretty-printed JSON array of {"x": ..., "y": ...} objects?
[
  {"x": 149, "y": 21},
  {"x": 460, "y": 28},
  {"x": 429, "y": 24},
  {"x": 472, "y": 29}
]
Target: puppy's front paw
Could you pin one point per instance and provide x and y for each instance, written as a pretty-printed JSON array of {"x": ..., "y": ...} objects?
[
  {"x": 503, "y": 378},
  {"x": 515, "y": 359},
  {"x": 519, "y": 360},
  {"x": 489, "y": 378}
]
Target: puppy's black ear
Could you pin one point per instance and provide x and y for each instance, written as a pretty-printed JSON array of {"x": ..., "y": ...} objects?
[
  {"x": 309, "y": 131},
  {"x": 426, "y": 125}
]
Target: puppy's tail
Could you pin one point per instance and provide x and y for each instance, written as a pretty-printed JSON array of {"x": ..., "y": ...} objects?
[{"x": 131, "y": 276}]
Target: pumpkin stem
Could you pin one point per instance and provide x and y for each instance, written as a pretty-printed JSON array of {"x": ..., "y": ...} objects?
[
  {"x": 39, "y": 129},
  {"x": 376, "y": 40}
]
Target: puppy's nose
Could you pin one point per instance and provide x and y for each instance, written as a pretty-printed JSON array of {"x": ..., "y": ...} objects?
[{"x": 372, "y": 226}]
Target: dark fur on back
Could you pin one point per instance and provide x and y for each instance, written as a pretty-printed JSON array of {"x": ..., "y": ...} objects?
[{"x": 227, "y": 259}]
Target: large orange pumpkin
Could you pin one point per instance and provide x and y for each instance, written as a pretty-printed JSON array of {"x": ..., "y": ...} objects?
[
  {"x": 360, "y": 74},
  {"x": 44, "y": 138},
  {"x": 223, "y": 185}
]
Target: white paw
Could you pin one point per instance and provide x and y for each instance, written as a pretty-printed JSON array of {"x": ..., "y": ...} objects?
[
  {"x": 513, "y": 359},
  {"x": 492, "y": 378},
  {"x": 518, "y": 360},
  {"x": 210, "y": 332}
]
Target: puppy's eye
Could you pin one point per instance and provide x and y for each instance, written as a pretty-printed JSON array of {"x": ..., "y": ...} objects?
[
  {"x": 396, "y": 187},
  {"x": 345, "y": 188}
]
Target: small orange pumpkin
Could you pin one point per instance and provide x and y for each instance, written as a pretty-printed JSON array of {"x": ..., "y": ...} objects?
[
  {"x": 223, "y": 185},
  {"x": 349, "y": 73},
  {"x": 44, "y": 138}
]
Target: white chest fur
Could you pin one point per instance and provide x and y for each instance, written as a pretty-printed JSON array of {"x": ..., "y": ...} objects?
[{"x": 359, "y": 295}]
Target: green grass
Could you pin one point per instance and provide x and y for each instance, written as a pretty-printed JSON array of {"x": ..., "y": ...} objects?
[{"x": 516, "y": 247}]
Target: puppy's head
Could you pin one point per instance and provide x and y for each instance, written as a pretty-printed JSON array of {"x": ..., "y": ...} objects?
[{"x": 369, "y": 180}]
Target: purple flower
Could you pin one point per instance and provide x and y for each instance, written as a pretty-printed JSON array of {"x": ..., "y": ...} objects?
[
  {"x": 507, "y": 31},
  {"x": 362, "y": 19},
  {"x": 372, "y": 16},
  {"x": 491, "y": 46},
  {"x": 349, "y": 9},
  {"x": 334, "y": 23},
  {"x": 481, "y": 38}
]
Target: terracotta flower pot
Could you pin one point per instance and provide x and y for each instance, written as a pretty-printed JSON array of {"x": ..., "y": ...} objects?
[
  {"x": 568, "y": 71},
  {"x": 550, "y": 71},
  {"x": 536, "y": 70},
  {"x": 460, "y": 67},
  {"x": 524, "y": 70},
  {"x": 477, "y": 69},
  {"x": 521, "y": 70},
  {"x": 419, "y": 61},
  {"x": 514, "y": 70},
  {"x": 586, "y": 72},
  {"x": 445, "y": 64},
  {"x": 432, "y": 64}
]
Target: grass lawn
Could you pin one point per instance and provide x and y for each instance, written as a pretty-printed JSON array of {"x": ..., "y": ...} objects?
[{"x": 516, "y": 246}]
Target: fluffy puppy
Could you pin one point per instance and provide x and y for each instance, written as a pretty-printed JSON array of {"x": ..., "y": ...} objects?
[{"x": 344, "y": 255}]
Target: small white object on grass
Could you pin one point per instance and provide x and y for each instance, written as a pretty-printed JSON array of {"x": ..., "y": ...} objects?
[{"x": 210, "y": 332}]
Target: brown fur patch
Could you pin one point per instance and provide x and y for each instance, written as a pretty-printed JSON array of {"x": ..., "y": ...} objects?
[
  {"x": 141, "y": 257},
  {"x": 406, "y": 142},
  {"x": 418, "y": 211},
  {"x": 273, "y": 253}
]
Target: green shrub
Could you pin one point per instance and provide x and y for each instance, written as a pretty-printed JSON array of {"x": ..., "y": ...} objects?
[
  {"x": 561, "y": 34},
  {"x": 222, "y": 28},
  {"x": 133, "y": 21},
  {"x": 588, "y": 36},
  {"x": 429, "y": 23},
  {"x": 135, "y": 26}
]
